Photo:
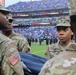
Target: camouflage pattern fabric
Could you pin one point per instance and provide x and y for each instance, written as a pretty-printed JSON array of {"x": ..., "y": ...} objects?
[
  {"x": 2, "y": 8},
  {"x": 10, "y": 62},
  {"x": 9, "y": 16},
  {"x": 55, "y": 49},
  {"x": 72, "y": 7},
  {"x": 20, "y": 41},
  {"x": 62, "y": 64},
  {"x": 63, "y": 21}
]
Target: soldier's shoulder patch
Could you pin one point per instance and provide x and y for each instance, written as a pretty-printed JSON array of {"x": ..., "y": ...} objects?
[{"x": 14, "y": 59}]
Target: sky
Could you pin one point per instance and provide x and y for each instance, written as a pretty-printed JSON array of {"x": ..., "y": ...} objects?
[{"x": 10, "y": 2}]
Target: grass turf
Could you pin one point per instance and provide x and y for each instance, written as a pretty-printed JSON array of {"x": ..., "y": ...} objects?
[{"x": 38, "y": 49}]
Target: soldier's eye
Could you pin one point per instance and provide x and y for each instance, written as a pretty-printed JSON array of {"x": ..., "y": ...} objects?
[
  {"x": 10, "y": 21},
  {"x": 62, "y": 28}
]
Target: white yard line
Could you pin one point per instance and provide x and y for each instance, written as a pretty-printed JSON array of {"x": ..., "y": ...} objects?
[{"x": 38, "y": 51}]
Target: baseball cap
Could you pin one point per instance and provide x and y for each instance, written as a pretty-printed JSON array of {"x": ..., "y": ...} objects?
[
  {"x": 3, "y": 9},
  {"x": 63, "y": 21}
]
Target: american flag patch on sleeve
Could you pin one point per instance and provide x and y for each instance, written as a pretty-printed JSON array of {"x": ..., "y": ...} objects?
[{"x": 14, "y": 59}]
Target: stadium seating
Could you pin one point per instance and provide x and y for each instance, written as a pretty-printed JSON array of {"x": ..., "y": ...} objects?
[{"x": 38, "y": 5}]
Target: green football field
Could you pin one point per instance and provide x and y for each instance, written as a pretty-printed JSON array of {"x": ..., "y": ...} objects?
[{"x": 38, "y": 49}]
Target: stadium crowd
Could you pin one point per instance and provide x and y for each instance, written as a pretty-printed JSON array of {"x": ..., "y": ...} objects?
[
  {"x": 44, "y": 32},
  {"x": 38, "y": 5},
  {"x": 32, "y": 21}
]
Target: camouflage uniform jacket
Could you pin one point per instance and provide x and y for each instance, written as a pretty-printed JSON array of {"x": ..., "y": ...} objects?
[
  {"x": 55, "y": 49},
  {"x": 62, "y": 64},
  {"x": 20, "y": 41},
  {"x": 10, "y": 62}
]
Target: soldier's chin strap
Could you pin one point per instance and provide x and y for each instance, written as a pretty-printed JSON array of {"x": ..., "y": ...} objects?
[{"x": 73, "y": 24}]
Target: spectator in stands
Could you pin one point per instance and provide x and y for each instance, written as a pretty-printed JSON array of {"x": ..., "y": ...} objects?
[
  {"x": 38, "y": 5},
  {"x": 20, "y": 41}
]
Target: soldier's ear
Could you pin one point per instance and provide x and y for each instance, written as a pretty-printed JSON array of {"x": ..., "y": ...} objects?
[{"x": 72, "y": 33}]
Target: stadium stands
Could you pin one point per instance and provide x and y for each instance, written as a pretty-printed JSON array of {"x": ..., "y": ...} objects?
[
  {"x": 38, "y": 13},
  {"x": 38, "y": 5}
]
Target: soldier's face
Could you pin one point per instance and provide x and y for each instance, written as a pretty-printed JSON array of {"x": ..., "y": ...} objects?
[
  {"x": 64, "y": 33},
  {"x": 3, "y": 21},
  {"x": 10, "y": 26}
]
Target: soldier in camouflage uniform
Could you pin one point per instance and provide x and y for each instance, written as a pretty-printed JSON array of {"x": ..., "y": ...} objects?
[
  {"x": 10, "y": 63},
  {"x": 65, "y": 62},
  {"x": 62, "y": 64},
  {"x": 64, "y": 33},
  {"x": 20, "y": 40}
]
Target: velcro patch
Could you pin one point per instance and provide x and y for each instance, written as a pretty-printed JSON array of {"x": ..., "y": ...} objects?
[{"x": 14, "y": 59}]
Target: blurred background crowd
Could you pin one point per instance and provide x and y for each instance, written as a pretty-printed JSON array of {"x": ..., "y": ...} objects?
[{"x": 36, "y": 20}]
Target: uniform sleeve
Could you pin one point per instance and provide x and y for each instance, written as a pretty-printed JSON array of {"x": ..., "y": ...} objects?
[
  {"x": 45, "y": 69},
  {"x": 63, "y": 64},
  {"x": 11, "y": 63},
  {"x": 24, "y": 46},
  {"x": 50, "y": 52}
]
